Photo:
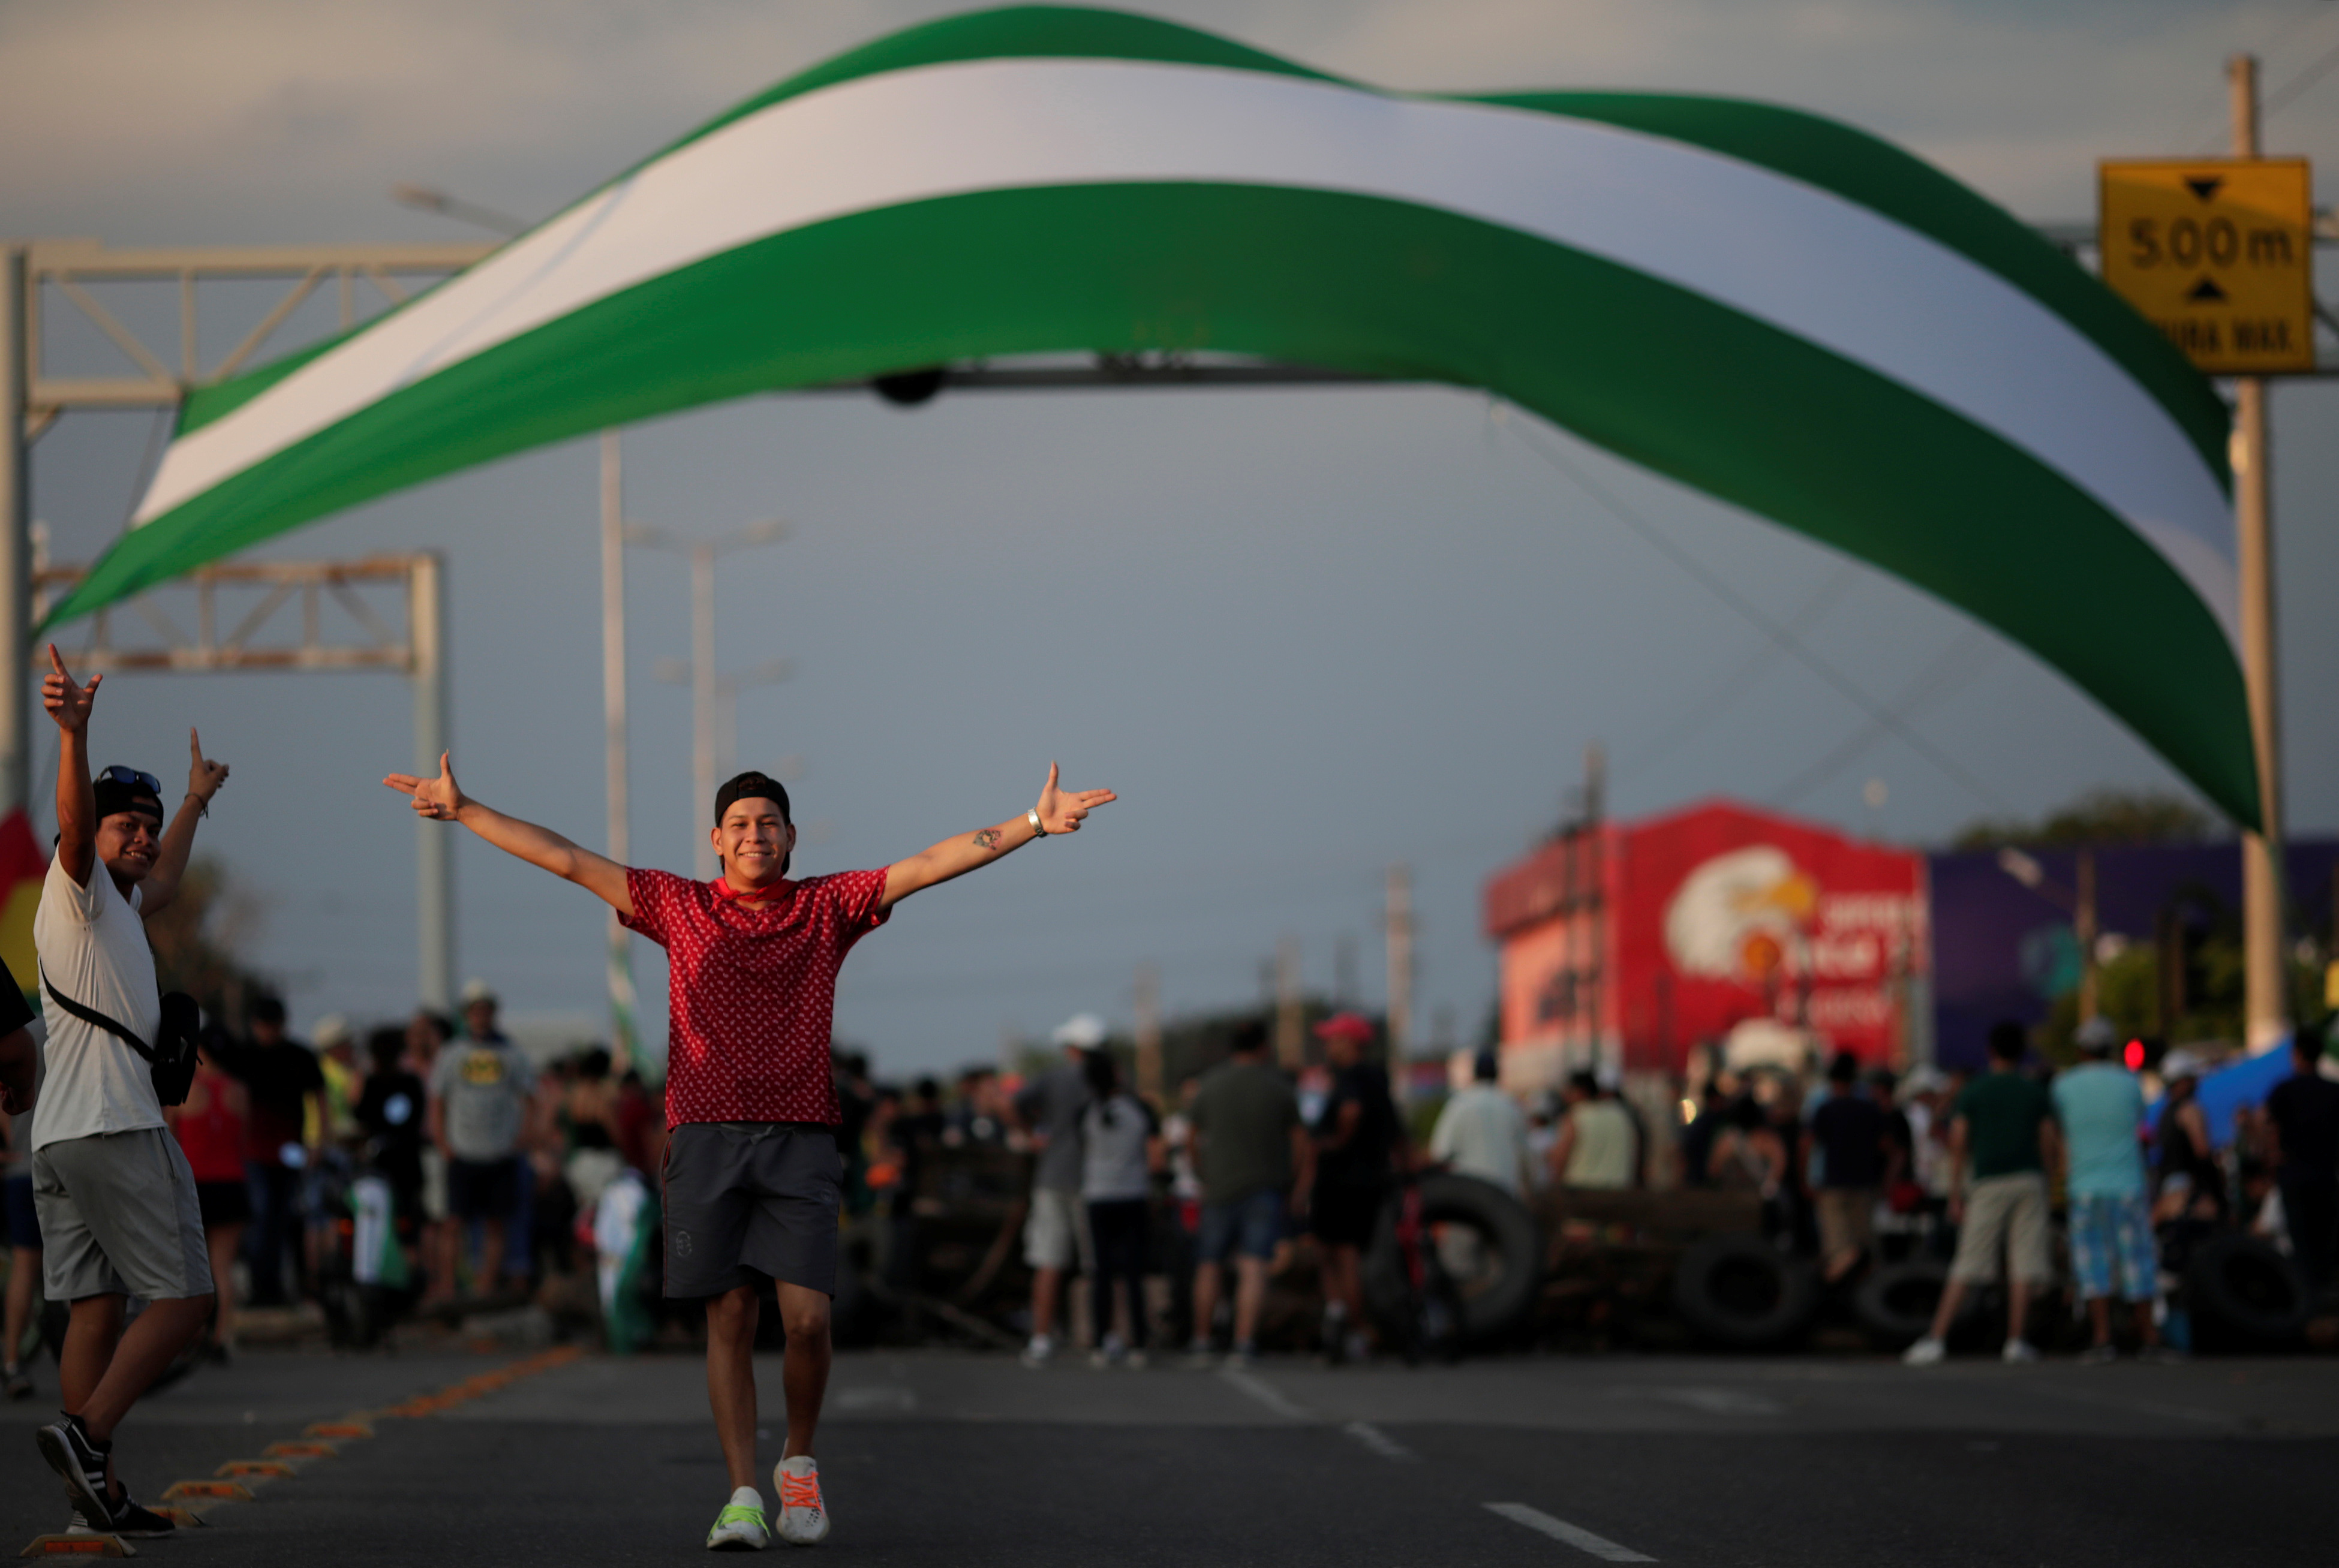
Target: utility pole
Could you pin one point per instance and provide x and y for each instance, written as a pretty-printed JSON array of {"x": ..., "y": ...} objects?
[
  {"x": 1596, "y": 831},
  {"x": 702, "y": 698},
  {"x": 2265, "y": 1003},
  {"x": 15, "y": 532},
  {"x": 434, "y": 855},
  {"x": 1399, "y": 932},
  {"x": 626, "y": 1042},
  {"x": 1150, "y": 1082},
  {"x": 2083, "y": 926},
  {"x": 1290, "y": 1033},
  {"x": 705, "y": 685}
]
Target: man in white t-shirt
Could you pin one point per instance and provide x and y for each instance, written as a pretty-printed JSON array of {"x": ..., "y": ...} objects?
[
  {"x": 115, "y": 1198},
  {"x": 1483, "y": 1133}
]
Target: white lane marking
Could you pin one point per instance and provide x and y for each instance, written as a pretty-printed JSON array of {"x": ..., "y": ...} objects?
[
  {"x": 1583, "y": 1540},
  {"x": 1717, "y": 1401},
  {"x": 2139, "y": 1406},
  {"x": 1379, "y": 1441},
  {"x": 1267, "y": 1393}
]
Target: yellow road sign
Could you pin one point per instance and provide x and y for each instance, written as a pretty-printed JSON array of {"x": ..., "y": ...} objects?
[{"x": 2218, "y": 253}]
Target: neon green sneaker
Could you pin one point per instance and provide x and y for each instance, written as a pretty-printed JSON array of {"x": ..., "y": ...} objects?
[{"x": 740, "y": 1527}]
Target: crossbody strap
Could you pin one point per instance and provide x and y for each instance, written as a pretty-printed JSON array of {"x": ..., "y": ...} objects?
[{"x": 90, "y": 1015}]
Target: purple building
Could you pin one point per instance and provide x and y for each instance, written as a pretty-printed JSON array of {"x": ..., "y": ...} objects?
[{"x": 2004, "y": 949}]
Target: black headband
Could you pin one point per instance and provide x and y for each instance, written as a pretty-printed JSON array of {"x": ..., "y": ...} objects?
[{"x": 751, "y": 786}]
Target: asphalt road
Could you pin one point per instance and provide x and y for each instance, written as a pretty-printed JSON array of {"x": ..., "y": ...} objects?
[{"x": 972, "y": 1461}]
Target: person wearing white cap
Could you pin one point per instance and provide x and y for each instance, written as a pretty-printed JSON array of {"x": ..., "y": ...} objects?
[
  {"x": 1055, "y": 1232},
  {"x": 2100, "y": 1106},
  {"x": 479, "y": 1005},
  {"x": 2191, "y": 1180}
]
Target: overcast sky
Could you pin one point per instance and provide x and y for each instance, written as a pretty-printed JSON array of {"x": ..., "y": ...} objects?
[{"x": 1306, "y": 635}]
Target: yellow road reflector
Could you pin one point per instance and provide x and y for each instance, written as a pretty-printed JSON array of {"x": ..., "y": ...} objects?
[
  {"x": 255, "y": 1468},
  {"x": 226, "y": 1491},
  {"x": 78, "y": 1547},
  {"x": 343, "y": 1429},
  {"x": 308, "y": 1450}
]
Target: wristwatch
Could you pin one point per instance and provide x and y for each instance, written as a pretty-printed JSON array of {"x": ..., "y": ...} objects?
[{"x": 1038, "y": 828}]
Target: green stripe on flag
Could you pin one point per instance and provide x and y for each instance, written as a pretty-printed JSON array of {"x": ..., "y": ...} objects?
[
  {"x": 1013, "y": 33},
  {"x": 1876, "y": 174},
  {"x": 1664, "y": 376}
]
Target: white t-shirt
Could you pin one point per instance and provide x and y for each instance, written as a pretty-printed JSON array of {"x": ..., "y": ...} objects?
[
  {"x": 1483, "y": 1133},
  {"x": 92, "y": 946},
  {"x": 1112, "y": 1145}
]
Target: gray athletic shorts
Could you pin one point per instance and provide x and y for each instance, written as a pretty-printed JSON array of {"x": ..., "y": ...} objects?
[
  {"x": 119, "y": 1218},
  {"x": 749, "y": 1199}
]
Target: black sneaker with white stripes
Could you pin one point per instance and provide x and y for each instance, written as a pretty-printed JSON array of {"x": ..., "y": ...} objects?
[
  {"x": 81, "y": 1461},
  {"x": 129, "y": 1520}
]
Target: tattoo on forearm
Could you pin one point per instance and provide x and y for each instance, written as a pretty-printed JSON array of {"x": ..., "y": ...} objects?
[{"x": 987, "y": 838}]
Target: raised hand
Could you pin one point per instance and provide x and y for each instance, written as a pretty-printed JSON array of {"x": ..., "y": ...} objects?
[
  {"x": 439, "y": 799},
  {"x": 204, "y": 776},
  {"x": 68, "y": 703},
  {"x": 1062, "y": 811}
]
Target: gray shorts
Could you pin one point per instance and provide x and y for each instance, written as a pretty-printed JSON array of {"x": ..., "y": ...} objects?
[
  {"x": 744, "y": 1200},
  {"x": 119, "y": 1218},
  {"x": 1056, "y": 1231}
]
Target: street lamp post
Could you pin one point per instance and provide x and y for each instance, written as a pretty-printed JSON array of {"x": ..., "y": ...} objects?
[{"x": 705, "y": 686}]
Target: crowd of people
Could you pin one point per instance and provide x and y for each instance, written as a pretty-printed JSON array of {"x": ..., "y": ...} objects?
[
  {"x": 487, "y": 1161},
  {"x": 1242, "y": 1162},
  {"x": 1967, "y": 1166},
  {"x": 162, "y": 1157}
]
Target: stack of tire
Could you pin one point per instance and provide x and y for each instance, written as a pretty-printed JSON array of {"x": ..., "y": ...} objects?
[
  {"x": 2240, "y": 1294},
  {"x": 2242, "y": 1297},
  {"x": 1487, "y": 1316},
  {"x": 1737, "y": 1291}
]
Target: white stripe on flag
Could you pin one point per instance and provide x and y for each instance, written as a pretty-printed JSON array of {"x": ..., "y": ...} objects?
[{"x": 1801, "y": 259}]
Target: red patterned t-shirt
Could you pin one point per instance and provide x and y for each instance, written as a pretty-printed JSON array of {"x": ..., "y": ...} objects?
[{"x": 752, "y": 991}]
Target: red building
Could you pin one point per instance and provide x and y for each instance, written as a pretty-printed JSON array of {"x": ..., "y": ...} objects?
[{"x": 1627, "y": 943}]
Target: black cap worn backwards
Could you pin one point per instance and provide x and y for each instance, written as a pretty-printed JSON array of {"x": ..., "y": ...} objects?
[
  {"x": 113, "y": 796},
  {"x": 751, "y": 786}
]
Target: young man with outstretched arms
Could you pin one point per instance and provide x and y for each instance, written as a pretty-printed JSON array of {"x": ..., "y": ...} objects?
[
  {"x": 752, "y": 1169},
  {"x": 116, "y": 1200}
]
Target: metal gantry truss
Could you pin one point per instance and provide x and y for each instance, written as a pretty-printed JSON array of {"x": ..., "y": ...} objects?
[
  {"x": 62, "y": 271},
  {"x": 254, "y": 638},
  {"x": 274, "y": 615}
]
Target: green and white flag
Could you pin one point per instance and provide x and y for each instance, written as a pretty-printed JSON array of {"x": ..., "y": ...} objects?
[{"x": 1774, "y": 308}]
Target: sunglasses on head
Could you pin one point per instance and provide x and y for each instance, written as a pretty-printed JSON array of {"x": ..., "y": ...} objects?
[{"x": 130, "y": 778}]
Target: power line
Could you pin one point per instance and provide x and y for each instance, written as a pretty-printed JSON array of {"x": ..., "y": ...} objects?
[
  {"x": 2299, "y": 84},
  {"x": 1948, "y": 673},
  {"x": 2210, "y": 142},
  {"x": 1737, "y": 601},
  {"x": 1743, "y": 679}
]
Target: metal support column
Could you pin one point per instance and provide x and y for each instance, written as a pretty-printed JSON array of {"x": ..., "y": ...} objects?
[
  {"x": 1399, "y": 933},
  {"x": 15, "y": 532},
  {"x": 434, "y": 848},
  {"x": 2265, "y": 1008},
  {"x": 702, "y": 702},
  {"x": 623, "y": 1043}
]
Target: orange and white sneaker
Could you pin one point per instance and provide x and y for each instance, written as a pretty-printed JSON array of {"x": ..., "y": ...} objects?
[{"x": 803, "y": 1518}]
